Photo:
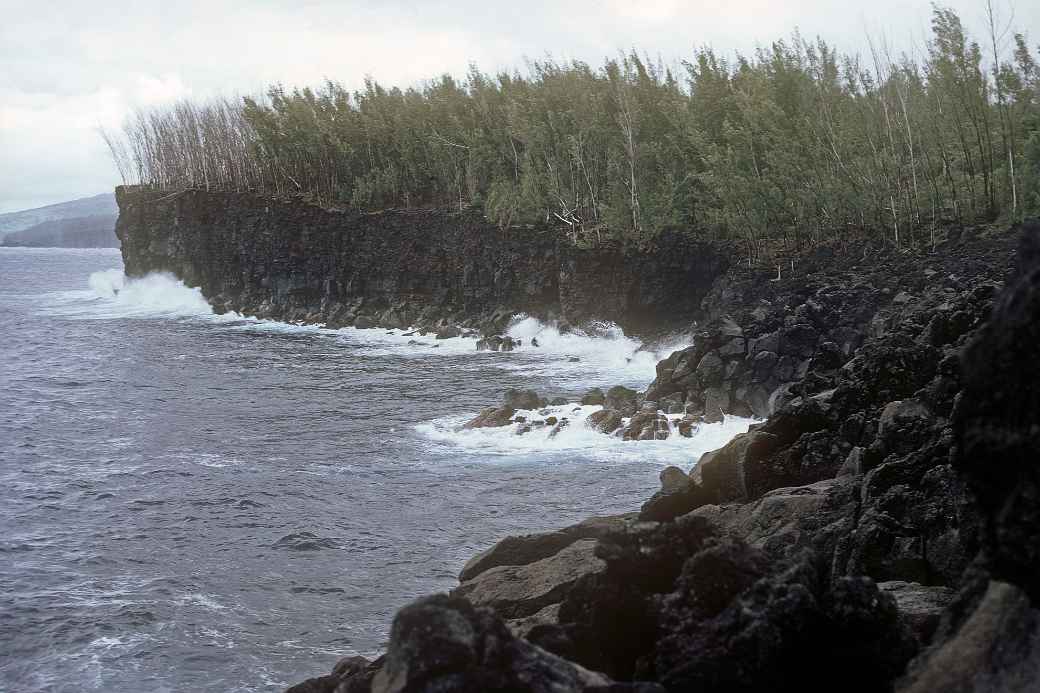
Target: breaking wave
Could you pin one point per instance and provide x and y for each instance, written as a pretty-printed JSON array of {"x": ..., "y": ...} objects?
[
  {"x": 112, "y": 295},
  {"x": 600, "y": 354},
  {"x": 507, "y": 441}
]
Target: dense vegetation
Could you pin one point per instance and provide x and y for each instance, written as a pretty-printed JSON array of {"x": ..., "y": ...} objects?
[{"x": 796, "y": 141}]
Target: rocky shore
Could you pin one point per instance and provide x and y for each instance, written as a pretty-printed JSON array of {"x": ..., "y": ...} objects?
[{"x": 877, "y": 531}]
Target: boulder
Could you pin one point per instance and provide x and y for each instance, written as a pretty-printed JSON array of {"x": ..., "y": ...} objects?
[
  {"x": 920, "y": 606},
  {"x": 519, "y": 591},
  {"x": 449, "y": 332},
  {"x": 787, "y": 520},
  {"x": 647, "y": 425},
  {"x": 689, "y": 424},
  {"x": 710, "y": 370},
  {"x": 604, "y": 420},
  {"x": 522, "y": 399},
  {"x": 720, "y": 474},
  {"x": 622, "y": 399},
  {"x": 529, "y": 548},
  {"x": 997, "y": 649},
  {"x": 445, "y": 644},
  {"x": 492, "y": 417},
  {"x": 673, "y": 479}
]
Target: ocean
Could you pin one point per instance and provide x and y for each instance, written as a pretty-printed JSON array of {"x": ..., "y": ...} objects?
[{"x": 199, "y": 502}]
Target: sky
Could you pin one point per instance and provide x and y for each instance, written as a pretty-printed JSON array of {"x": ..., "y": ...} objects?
[{"x": 68, "y": 67}]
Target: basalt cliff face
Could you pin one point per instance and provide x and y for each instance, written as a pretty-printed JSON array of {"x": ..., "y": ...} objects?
[{"x": 289, "y": 260}]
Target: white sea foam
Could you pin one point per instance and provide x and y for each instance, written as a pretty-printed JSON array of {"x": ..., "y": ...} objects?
[
  {"x": 577, "y": 437},
  {"x": 112, "y": 296},
  {"x": 206, "y": 601},
  {"x": 600, "y": 354}
]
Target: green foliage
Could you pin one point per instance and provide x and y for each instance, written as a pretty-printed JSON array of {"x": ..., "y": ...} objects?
[{"x": 795, "y": 141}]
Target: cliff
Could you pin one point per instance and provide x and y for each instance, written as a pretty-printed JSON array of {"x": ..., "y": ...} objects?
[{"x": 289, "y": 260}]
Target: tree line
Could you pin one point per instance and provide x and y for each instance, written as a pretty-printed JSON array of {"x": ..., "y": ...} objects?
[{"x": 796, "y": 141}]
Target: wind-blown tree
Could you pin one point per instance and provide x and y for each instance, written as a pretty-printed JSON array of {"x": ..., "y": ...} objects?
[{"x": 795, "y": 142}]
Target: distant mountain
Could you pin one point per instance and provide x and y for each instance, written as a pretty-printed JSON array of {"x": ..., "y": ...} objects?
[
  {"x": 97, "y": 231},
  {"x": 98, "y": 205}
]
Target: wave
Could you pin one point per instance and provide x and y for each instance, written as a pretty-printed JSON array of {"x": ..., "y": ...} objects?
[
  {"x": 600, "y": 354},
  {"x": 506, "y": 442},
  {"x": 111, "y": 295}
]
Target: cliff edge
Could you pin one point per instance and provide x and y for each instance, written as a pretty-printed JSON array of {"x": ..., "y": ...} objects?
[{"x": 290, "y": 260}]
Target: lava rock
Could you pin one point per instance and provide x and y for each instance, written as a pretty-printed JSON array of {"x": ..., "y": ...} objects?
[
  {"x": 492, "y": 417},
  {"x": 522, "y": 399}
]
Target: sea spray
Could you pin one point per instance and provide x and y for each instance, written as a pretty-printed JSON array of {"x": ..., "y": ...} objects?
[
  {"x": 599, "y": 354},
  {"x": 515, "y": 441},
  {"x": 112, "y": 295}
]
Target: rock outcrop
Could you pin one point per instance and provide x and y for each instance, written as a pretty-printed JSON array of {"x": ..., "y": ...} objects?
[{"x": 289, "y": 260}]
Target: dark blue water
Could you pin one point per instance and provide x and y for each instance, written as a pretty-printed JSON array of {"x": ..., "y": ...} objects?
[{"x": 193, "y": 502}]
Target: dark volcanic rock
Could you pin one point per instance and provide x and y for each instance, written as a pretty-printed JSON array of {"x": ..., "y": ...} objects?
[
  {"x": 990, "y": 639},
  {"x": 520, "y": 591},
  {"x": 622, "y": 399},
  {"x": 889, "y": 501},
  {"x": 998, "y": 424},
  {"x": 523, "y": 399},
  {"x": 682, "y": 604},
  {"x": 276, "y": 258},
  {"x": 604, "y": 420},
  {"x": 522, "y": 550},
  {"x": 444, "y": 644},
  {"x": 492, "y": 417}
]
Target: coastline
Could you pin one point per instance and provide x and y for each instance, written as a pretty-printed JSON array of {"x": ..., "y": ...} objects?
[{"x": 844, "y": 528}]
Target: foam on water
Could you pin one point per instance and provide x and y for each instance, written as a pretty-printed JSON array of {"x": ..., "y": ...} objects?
[
  {"x": 113, "y": 296},
  {"x": 505, "y": 441},
  {"x": 601, "y": 354}
]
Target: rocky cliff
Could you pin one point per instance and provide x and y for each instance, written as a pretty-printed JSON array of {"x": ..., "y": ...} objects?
[
  {"x": 290, "y": 260},
  {"x": 877, "y": 532}
]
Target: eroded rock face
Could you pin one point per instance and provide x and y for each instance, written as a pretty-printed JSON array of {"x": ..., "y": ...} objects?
[
  {"x": 289, "y": 260},
  {"x": 989, "y": 639},
  {"x": 997, "y": 425}
]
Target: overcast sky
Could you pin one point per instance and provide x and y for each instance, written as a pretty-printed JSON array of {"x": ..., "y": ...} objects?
[{"x": 68, "y": 66}]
